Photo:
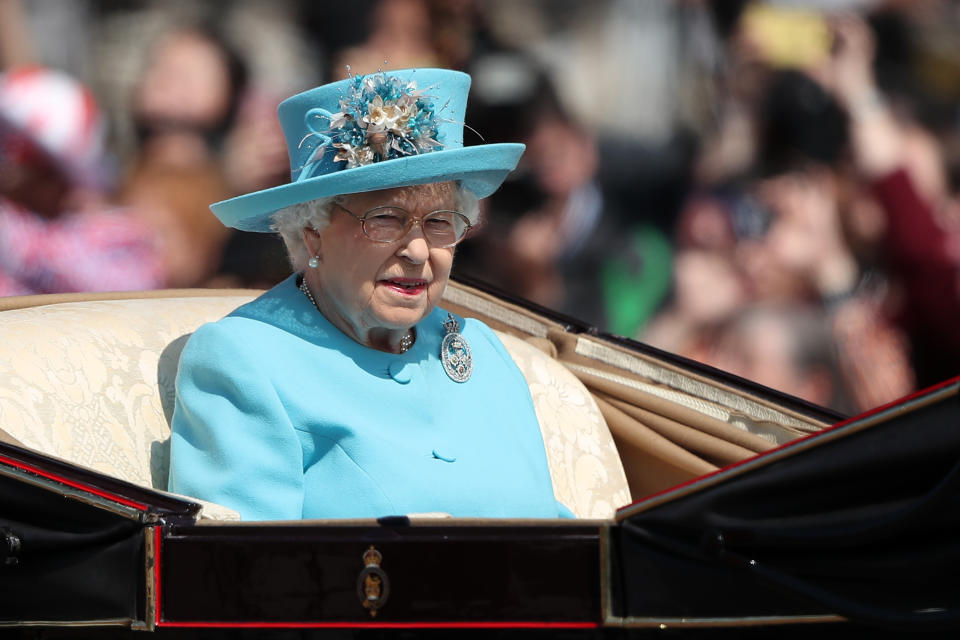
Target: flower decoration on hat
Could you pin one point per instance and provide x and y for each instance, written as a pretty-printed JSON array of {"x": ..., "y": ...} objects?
[{"x": 383, "y": 118}]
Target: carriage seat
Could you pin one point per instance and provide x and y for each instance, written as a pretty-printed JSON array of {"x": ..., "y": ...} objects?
[{"x": 90, "y": 380}]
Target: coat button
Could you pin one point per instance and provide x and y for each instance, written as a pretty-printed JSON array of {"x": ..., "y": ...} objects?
[
  {"x": 401, "y": 372},
  {"x": 446, "y": 457}
]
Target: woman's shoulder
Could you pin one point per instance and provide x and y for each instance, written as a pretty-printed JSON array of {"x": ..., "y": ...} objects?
[
  {"x": 280, "y": 302},
  {"x": 217, "y": 344},
  {"x": 249, "y": 325}
]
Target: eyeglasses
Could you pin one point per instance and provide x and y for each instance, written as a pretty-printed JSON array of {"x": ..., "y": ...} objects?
[{"x": 385, "y": 224}]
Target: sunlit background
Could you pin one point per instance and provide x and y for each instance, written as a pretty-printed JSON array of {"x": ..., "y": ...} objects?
[{"x": 766, "y": 187}]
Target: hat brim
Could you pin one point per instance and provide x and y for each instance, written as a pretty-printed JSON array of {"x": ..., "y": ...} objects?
[{"x": 481, "y": 169}]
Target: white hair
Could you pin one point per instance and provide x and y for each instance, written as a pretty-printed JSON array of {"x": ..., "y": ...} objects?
[{"x": 290, "y": 221}]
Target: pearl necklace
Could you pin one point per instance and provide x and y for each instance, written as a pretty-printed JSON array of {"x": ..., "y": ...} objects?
[{"x": 405, "y": 342}]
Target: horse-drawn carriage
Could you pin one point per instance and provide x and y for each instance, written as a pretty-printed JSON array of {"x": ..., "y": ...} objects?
[{"x": 704, "y": 501}]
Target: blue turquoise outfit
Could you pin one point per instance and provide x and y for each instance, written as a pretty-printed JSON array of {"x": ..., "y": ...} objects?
[{"x": 281, "y": 416}]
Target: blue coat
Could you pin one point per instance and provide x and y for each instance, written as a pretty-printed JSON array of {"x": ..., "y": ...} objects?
[{"x": 279, "y": 415}]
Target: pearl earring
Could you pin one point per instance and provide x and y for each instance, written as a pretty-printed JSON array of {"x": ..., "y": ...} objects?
[{"x": 313, "y": 262}]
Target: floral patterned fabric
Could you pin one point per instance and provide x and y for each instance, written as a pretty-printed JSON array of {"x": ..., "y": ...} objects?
[
  {"x": 91, "y": 382},
  {"x": 585, "y": 467}
]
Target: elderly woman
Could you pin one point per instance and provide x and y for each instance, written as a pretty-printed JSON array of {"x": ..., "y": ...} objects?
[{"x": 345, "y": 391}]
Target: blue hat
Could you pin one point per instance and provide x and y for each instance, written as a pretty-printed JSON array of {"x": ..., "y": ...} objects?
[{"x": 384, "y": 130}]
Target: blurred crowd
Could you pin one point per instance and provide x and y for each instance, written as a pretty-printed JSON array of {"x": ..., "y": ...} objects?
[{"x": 770, "y": 188}]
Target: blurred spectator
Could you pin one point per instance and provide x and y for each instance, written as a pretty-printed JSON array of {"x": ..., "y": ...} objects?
[
  {"x": 57, "y": 232},
  {"x": 457, "y": 28},
  {"x": 398, "y": 38},
  {"x": 708, "y": 288},
  {"x": 187, "y": 96},
  {"x": 777, "y": 227},
  {"x": 174, "y": 202},
  {"x": 183, "y": 108},
  {"x": 561, "y": 241},
  {"x": 787, "y": 347},
  {"x": 906, "y": 177},
  {"x": 255, "y": 152},
  {"x": 255, "y": 158},
  {"x": 825, "y": 180},
  {"x": 219, "y": 139},
  {"x": 802, "y": 138}
]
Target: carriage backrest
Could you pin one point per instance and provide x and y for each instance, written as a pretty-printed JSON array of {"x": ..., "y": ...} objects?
[{"x": 91, "y": 382}]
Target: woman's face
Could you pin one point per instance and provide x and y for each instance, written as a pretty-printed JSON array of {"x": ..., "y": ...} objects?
[
  {"x": 187, "y": 82},
  {"x": 369, "y": 289}
]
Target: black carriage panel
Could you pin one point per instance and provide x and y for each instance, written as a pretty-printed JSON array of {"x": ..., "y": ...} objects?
[{"x": 382, "y": 574}]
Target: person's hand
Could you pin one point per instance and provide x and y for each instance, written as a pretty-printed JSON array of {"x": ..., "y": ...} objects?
[
  {"x": 806, "y": 235},
  {"x": 850, "y": 69},
  {"x": 256, "y": 151},
  {"x": 875, "y": 136}
]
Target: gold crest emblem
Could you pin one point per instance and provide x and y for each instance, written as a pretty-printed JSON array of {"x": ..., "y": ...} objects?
[{"x": 373, "y": 587}]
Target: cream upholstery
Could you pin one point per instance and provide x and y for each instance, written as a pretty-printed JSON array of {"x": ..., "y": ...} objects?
[
  {"x": 585, "y": 468},
  {"x": 92, "y": 382}
]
